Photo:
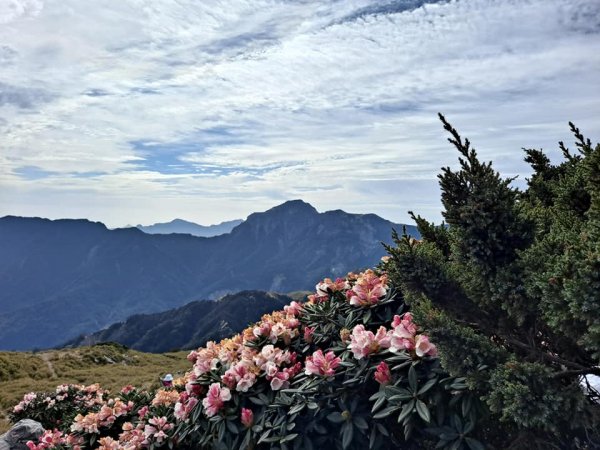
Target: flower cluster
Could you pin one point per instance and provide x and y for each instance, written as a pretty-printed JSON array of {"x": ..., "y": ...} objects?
[
  {"x": 108, "y": 414},
  {"x": 165, "y": 397},
  {"x": 403, "y": 336},
  {"x": 215, "y": 399},
  {"x": 322, "y": 364},
  {"x": 368, "y": 289},
  {"x": 50, "y": 408},
  {"x": 28, "y": 399},
  {"x": 230, "y": 378},
  {"x": 364, "y": 342},
  {"x": 49, "y": 439},
  {"x": 156, "y": 430}
]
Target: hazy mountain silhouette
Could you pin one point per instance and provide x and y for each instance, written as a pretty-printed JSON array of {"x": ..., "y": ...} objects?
[
  {"x": 184, "y": 227},
  {"x": 189, "y": 326},
  {"x": 63, "y": 278}
]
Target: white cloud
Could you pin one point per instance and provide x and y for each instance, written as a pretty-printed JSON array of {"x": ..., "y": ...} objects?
[{"x": 250, "y": 103}]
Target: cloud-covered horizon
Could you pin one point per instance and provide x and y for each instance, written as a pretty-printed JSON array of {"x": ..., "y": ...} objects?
[{"x": 140, "y": 112}]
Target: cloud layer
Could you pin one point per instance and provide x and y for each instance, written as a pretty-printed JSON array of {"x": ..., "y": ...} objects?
[{"x": 138, "y": 111}]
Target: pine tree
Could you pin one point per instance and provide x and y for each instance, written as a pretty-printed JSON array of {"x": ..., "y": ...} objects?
[{"x": 509, "y": 290}]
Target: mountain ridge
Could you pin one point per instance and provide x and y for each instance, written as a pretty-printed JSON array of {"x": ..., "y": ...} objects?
[
  {"x": 181, "y": 226},
  {"x": 68, "y": 277},
  {"x": 189, "y": 326}
]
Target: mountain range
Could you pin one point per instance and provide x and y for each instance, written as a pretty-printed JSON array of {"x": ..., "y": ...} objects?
[
  {"x": 189, "y": 326},
  {"x": 184, "y": 227},
  {"x": 63, "y": 278}
]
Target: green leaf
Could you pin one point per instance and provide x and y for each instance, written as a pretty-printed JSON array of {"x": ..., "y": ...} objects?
[
  {"x": 231, "y": 427},
  {"x": 297, "y": 408},
  {"x": 376, "y": 395},
  {"x": 382, "y": 430},
  {"x": 448, "y": 436},
  {"x": 423, "y": 411},
  {"x": 427, "y": 386},
  {"x": 412, "y": 378},
  {"x": 468, "y": 427},
  {"x": 347, "y": 435},
  {"x": 378, "y": 404},
  {"x": 466, "y": 405},
  {"x": 455, "y": 445},
  {"x": 289, "y": 437},
  {"x": 372, "y": 439},
  {"x": 264, "y": 436},
  {"x": 386, "y": 412},
  {"x": 474, "y": 444},
  {"x": 408, "y": 408},
  {"x": 335, "y": 417},
  {"x": 401, "y": 366},
  {"x": 360, "y": 423}
]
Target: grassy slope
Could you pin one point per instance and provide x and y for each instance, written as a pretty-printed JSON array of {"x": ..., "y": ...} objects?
[{"x": 112, "y": 366}]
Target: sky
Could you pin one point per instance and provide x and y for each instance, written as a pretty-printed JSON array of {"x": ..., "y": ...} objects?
[{"x": 138, "y": 111}]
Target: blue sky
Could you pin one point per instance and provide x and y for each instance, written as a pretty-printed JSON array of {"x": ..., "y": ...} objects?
[{"x": 137, "y": 111}]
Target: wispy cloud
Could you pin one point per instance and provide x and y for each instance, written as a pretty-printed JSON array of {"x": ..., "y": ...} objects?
[{"x": 140, "y": 111}]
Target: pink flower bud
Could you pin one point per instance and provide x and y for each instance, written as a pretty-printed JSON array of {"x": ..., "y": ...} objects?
[
  {"x": 247, "y": 417},
  {"x": 383, "y": 375},
  {"x": 308, "y": 334}
]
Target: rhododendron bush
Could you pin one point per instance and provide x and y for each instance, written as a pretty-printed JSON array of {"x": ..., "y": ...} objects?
[{"x": 347, "y": 369}]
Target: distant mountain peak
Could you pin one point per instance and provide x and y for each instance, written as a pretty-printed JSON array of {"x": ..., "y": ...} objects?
[
  {"x": 289, "y": 207},
  {"x": 181, "y": 226},
  {"x": 296, "y": 204},
  {"x": 81, "y": 273}
]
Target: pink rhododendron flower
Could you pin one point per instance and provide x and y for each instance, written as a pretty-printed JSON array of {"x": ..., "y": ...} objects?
[
  {"x": 127, "y": 389},
  {"x": 280, "y": 381},
  {"x": 313, "y": 298},
  {"x": 215, "y": 399},
  {"x": 194, "y": 389},
  {"x": 184, "y": 406},
  {"x": 320, "y": 364},
  {"x": 27, "y": 399},
  {"x": 363, "y": 342},
  {"x": 308, "y": 334},
  {"x": 165, "y": 397},
  {"x": 108, "y": 443},
  {"x": 293, "y": 309},
  {"x": 247, "y": 417},
  {"x": 406, "y": 321},
  {"x": 192, "y": 356},
  {"x": 327, "y": 285},
  {"x": 156, "y": 429},
  {"x": 423, "y": 347},
  {"x": 239, "y": 376},
  {"x": 142, "y": 412},
  {"x": 403, "y": 334},
  {"x": 367, "y": 290},
  {"x": 263, "y": 329},
  {"x": 49, "y": 439},
  {"x": 132, "y": 438},
  {"x": 382, "y": 374},
  {"x": 404, "y": 337},
  {"x": 206, "y": 359}
]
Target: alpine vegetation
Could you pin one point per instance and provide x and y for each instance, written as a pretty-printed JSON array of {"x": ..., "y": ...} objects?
[
  {"x": 483, "y": 334},
  {"x": 510, "y": 293},
  {"x": 347, "y": 369}
]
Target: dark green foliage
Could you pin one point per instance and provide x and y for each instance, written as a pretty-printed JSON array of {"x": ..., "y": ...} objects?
[{"x": 510, "y": 292}]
